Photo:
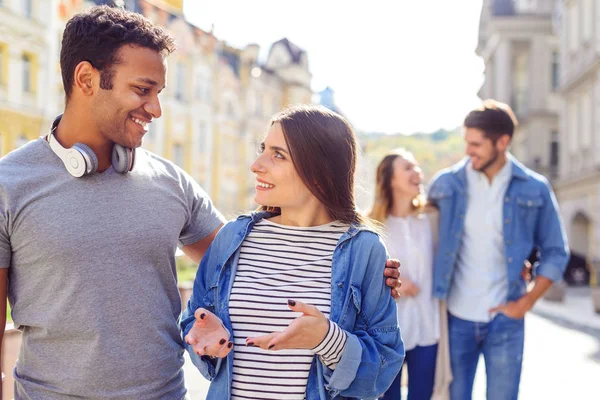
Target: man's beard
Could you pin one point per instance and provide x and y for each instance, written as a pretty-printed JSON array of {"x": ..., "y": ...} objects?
[{"x": 490, "y": 161}]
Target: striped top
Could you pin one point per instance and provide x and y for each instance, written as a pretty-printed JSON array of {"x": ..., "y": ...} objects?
[{"x": 278, "y": 263}]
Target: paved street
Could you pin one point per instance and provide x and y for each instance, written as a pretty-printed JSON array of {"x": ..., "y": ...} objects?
[{"x": 562, "y": 353}]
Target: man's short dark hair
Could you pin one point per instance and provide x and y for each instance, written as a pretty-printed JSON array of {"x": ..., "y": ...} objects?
[
  {"x": 96, "y": 36},
  {"x": 493, "y": 118}
]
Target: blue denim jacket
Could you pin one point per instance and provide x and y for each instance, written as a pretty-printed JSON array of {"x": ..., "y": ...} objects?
[
  {"x": 531, "y": 220},
  {"x": 361, "y": 304}
]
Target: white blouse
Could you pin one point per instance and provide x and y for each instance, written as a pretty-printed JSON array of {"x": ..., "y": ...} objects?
[{"x": 410, "y": 240}]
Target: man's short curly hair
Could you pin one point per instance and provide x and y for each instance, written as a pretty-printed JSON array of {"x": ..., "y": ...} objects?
[{"x": 96, "y": 36}]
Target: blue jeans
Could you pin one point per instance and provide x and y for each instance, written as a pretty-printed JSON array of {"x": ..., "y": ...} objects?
[
  {"x": 420, "y": 362},
  {"x": 500, "y": 341}
]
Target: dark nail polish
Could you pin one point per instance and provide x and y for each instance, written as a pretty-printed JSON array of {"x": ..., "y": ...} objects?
[
  {"x": 230, "y": 344},
  {"x": 292, "y": 303},
  {"x": 222, "y": 341},
  {"x": 202, "y": 315},
  {"x": 271, "y": 346}
]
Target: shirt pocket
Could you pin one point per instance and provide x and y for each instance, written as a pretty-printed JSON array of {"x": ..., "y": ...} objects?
[{"x": 528, "y": 210}]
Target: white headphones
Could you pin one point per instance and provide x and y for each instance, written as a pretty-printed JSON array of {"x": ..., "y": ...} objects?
[{"x": 80, "y": 160}]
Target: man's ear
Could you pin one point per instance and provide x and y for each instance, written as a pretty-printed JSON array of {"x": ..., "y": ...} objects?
[
  {"x": 504, "y": 142},
  {"x": 85, "y": 78}
]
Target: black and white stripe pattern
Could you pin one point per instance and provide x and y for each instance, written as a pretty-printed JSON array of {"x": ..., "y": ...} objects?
[{"x": 278, "y": 263}]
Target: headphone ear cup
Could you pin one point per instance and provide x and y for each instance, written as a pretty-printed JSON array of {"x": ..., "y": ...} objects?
[
  {"x": 122, "y": 158},
  {"x": 74, "y": 162},
  {"x": 90, "y": 158}
]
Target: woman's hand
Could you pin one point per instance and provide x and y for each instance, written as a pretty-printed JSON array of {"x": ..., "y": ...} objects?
[
  {"x": 408, "y": 288},
  {"x": 208, "y": 336},
  {"x": 305, "y": 332}
]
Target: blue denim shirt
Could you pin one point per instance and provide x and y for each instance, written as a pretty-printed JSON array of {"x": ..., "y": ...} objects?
[
  {"x": 531, "y": 219},
  {"x": 361, "y": 304}
]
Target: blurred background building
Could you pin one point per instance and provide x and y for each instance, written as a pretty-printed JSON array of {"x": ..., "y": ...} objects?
[
  {"x": 540, "y": 56},
  {"x": 543, "y": 58},
  {"x": 216, "y": 108}
]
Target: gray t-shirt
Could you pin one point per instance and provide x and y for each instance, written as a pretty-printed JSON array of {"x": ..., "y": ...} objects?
[{"x": 92, "y": 279}]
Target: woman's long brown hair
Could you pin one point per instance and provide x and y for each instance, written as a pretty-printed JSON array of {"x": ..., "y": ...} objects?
[
  {"x": 384, "y": 199},
  {"x": 322, "y": 147}
]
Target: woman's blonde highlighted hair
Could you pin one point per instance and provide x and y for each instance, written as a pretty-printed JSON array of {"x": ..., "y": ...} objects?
[{"x": 384, "y": 198}]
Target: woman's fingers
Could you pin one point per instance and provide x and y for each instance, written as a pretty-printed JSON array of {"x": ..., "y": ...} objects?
[
  {"x": 190, "y": 339},
  {"x": 225, "y": 350},
  {"x": 307, "y": 309},
  {"x": 205, "y": 318},
  {"x": 262, "y": 341},
  {"x": 218, "y": 349},
  {"x": 208, "y": 336}
]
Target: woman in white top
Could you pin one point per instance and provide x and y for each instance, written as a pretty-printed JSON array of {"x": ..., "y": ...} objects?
[{"x": 400, "y": 206}]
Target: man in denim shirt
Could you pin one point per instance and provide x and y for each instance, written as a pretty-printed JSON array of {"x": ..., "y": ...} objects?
[{"x": 493, "y": 212}]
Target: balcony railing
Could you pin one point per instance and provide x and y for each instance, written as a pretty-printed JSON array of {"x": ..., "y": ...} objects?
[{"x": 502, "y": 8}]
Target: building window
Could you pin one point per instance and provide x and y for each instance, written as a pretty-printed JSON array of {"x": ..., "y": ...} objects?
[
  {"x": 202, "y": 87},
  {"x": 588, "y": 19},
  {"x": 178, "y": 155},
  {"x": 179, "y": 81},
  {"x": 149, "y": 136},
  {"x": 554, "y": 155},
  {"x": 573, "y": 128},
  {"x": 519, "y": 101},
  {"x": 573, "y": 24},
  {"x": 201, "y": 137},
  {"x": 586, "y": 119},
  {"x": 199, "y": 89},
  {"x": 2, "y": 61},
  {"x": 27, "y": 8},
  {"x": 27, "y": 72},
  {"x": 208, "y": 91},
  {"x": 525, "y": 6},
  {"x": 230, "y": 110},
  {"x": 555, "y": 70}
]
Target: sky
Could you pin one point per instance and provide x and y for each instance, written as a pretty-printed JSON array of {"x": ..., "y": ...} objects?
[{"x": 396, "y": 66}]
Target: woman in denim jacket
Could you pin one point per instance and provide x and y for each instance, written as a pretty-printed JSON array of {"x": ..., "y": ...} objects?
[{"x": 290, "y": 302}]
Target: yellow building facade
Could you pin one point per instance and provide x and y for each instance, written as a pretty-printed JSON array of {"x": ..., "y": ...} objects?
[
  {"x": 24, "y": 54},
  {"x": 216, "y": 108}
]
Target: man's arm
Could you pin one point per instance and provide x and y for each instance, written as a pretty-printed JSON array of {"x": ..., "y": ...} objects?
[
  {"x": 3, "y": 297},
  {"x": 551, "y": 240},
  {"x": 196, "y": 250},
  {"x": 518, "y": 308}
]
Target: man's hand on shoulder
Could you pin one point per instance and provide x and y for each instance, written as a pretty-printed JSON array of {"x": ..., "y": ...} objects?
[{"x": 393, "y": 276}]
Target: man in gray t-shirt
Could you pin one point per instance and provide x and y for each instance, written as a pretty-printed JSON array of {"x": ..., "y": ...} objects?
[
  {"x": 89, "y": 225},
  {"x": 89, "y": 261}
]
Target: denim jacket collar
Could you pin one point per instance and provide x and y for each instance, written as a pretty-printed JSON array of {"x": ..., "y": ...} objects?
[{"x": 460, "y": 171}]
